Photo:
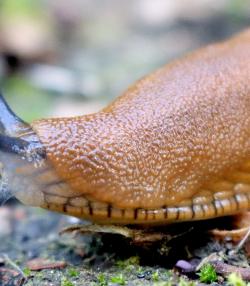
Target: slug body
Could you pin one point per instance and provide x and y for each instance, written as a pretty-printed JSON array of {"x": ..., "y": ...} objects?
[{"x": 174, "y": 147}]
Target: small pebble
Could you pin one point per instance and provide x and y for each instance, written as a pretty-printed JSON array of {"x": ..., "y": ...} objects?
[
  {"x": 141, "y": 275},
  {"x": 185, "y": 266}
]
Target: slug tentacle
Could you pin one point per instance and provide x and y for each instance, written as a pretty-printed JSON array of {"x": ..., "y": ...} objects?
[
  {"x": 20, "y": 148},
  {"x": 10, "y": 124},
  {"x": 16, "y": 136}
]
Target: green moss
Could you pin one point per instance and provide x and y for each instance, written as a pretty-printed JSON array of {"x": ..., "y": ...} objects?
[
  {"x": 66, "y": 282},
  {"x": 155, "y": 276},
  {"x": 207, "y": 273},
  {"x": 27, "y": 272},
  {"x": 167, "y": 275},
  {"x": 169, "y": 283},
  {"x": 120, "y": 280},
  {"x": 39, "y": 275},
  {"x": 184, "y": 282},
  {"x": 234, "y": 279},
  {"x": 102, "y": 280},
  {"x": 132, "y": 261},
  {"x": 72, "y": 272}
]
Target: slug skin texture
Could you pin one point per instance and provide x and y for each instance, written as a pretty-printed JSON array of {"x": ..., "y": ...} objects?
[{"x": 175, "y": 146}]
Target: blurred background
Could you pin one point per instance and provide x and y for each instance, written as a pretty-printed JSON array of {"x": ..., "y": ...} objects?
[{"x": 62, "y": 58}]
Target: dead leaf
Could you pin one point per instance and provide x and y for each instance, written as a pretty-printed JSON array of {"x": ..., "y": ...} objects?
[
  {"x": 226, "y": 269},
  {"x": 40, "y": 264},
  {"x": 10, "y": 277},
  {"x": 234, "y": 235}
]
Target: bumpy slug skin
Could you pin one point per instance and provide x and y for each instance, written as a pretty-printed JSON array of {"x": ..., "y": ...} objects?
[{"x": 174, "y": 147}]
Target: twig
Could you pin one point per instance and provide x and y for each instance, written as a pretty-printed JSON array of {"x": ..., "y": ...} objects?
[
  {"x": 14, "y": 265},
  {"x": 212, "y": 257},
  {"x": 226, "y": 269},
  {"x": 242, "y": 242}
]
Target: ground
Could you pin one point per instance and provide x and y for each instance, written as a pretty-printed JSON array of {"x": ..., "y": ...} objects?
[{"x": 32, "y": 252}]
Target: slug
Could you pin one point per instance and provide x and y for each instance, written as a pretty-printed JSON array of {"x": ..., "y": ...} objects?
[{"x": 174, "y": 147}]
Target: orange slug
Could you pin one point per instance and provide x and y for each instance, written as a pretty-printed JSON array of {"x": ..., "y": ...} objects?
[{"x": 174, "y": 147}]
